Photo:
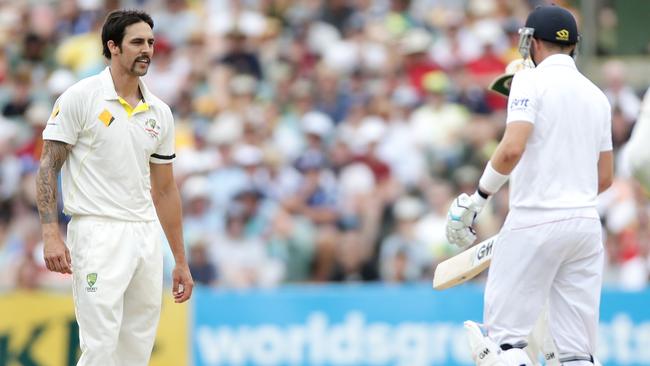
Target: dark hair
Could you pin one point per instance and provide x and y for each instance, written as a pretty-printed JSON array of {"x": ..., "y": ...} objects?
[{"x": 115, "y": 24}]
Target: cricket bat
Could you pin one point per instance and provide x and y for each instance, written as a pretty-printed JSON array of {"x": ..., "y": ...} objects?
[
  {"x": 465, "y": 265},
  {"x": 502, "y": 83}
]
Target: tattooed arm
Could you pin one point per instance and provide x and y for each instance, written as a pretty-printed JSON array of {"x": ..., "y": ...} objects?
[{"x": 57, "y": 256}]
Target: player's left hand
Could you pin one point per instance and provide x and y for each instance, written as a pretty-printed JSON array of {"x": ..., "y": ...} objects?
[{"x": 182, "y": 283}]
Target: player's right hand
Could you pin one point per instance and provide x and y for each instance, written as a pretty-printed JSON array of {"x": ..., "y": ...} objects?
[
  {"x": 56, "y": 254},
  {"x": 463, "y": 237},
  {"x": 182, "y": 283},
  {"x": 461, "y": 217}
]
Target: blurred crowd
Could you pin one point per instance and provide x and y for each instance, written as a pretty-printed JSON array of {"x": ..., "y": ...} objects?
[{"x": 317, "y": 141}]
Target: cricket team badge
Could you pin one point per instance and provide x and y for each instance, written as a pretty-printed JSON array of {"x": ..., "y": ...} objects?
[
  {"x": 152, "y": 127},
  {"x": 91, "y": 279}
]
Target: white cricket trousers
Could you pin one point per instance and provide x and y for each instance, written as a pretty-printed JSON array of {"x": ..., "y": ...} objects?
[
  {"x": 117, "y": 289},
  {"x": 556, "y": 261}
]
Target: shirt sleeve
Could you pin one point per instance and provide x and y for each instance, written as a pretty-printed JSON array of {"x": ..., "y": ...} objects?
[
  {"x": 66, "y": 121},
  {"x": 522, "y": 101},
  {"x": 165, "y": 152}
]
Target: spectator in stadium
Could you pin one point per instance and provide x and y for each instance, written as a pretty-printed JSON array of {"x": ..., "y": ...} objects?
[
  {"x": 203, "y": 271},
  {"x": 238, "y": 57},
  {"x": 619, "y": 93},
  {"x": 437, "y": 124},
  {"x": 243, "y": 261},
  {"x": 315, "y": 197},
  {"x": 200, "y": 219},
  {"x": 403, "y": 257},
  {"x": 292, "y": 241},
  {"x": 28, "y": 274}
]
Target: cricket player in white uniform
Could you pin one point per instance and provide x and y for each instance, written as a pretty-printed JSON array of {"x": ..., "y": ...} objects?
[
  {"x": 557, "y": 155},
  {"x": 113, "y": 142}
]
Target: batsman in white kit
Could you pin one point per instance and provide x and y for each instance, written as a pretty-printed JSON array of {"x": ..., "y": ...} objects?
[
  {"x": 557, "y": 155},
  {"x": 113, "y": 142}
]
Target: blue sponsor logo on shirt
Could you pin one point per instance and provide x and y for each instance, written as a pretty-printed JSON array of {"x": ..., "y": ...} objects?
[{"x": 519, "y": 103}]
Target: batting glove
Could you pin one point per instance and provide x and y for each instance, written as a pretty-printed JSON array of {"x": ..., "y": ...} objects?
[
  {"x": 462, "y": 237},
  {"x": 461, "y": 217}
]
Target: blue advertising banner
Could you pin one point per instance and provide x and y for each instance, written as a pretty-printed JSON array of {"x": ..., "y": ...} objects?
[{"x": 375, "y": 325}]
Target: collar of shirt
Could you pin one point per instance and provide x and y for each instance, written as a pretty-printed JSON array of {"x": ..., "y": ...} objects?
[
  {"x": 108, "y": 88},
  {"x": 559, "y": 60}
]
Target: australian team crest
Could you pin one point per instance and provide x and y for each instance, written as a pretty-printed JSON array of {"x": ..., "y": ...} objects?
[
  {"x": 152, "y": 127},
  {"x": 91, "y": 279}
]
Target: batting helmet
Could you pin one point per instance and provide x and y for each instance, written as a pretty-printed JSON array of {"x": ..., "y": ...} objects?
[{"x": 553, "y": 24}]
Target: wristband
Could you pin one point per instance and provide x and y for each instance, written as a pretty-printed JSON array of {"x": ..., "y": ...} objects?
[
  {"x": 482, "y": 194},
  {"x": 478, "y": 198},
  {"x": 491, "y": 180}
]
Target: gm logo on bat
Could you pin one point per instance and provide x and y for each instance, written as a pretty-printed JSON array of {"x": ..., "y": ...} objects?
[{"x": 483, "y": 251}]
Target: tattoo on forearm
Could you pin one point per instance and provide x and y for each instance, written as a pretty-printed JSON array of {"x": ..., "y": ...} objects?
[{"x": 54, "y": 155}]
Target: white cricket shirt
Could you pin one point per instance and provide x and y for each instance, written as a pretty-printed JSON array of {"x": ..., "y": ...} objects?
[
  {"x": 107, "y": 171},
  {"x": 572, "y": 118}
]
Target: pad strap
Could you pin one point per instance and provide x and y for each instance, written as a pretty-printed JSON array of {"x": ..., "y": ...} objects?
[
  {"x": 576, "y": 357},
  {"x": 507, "y": 346}
]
